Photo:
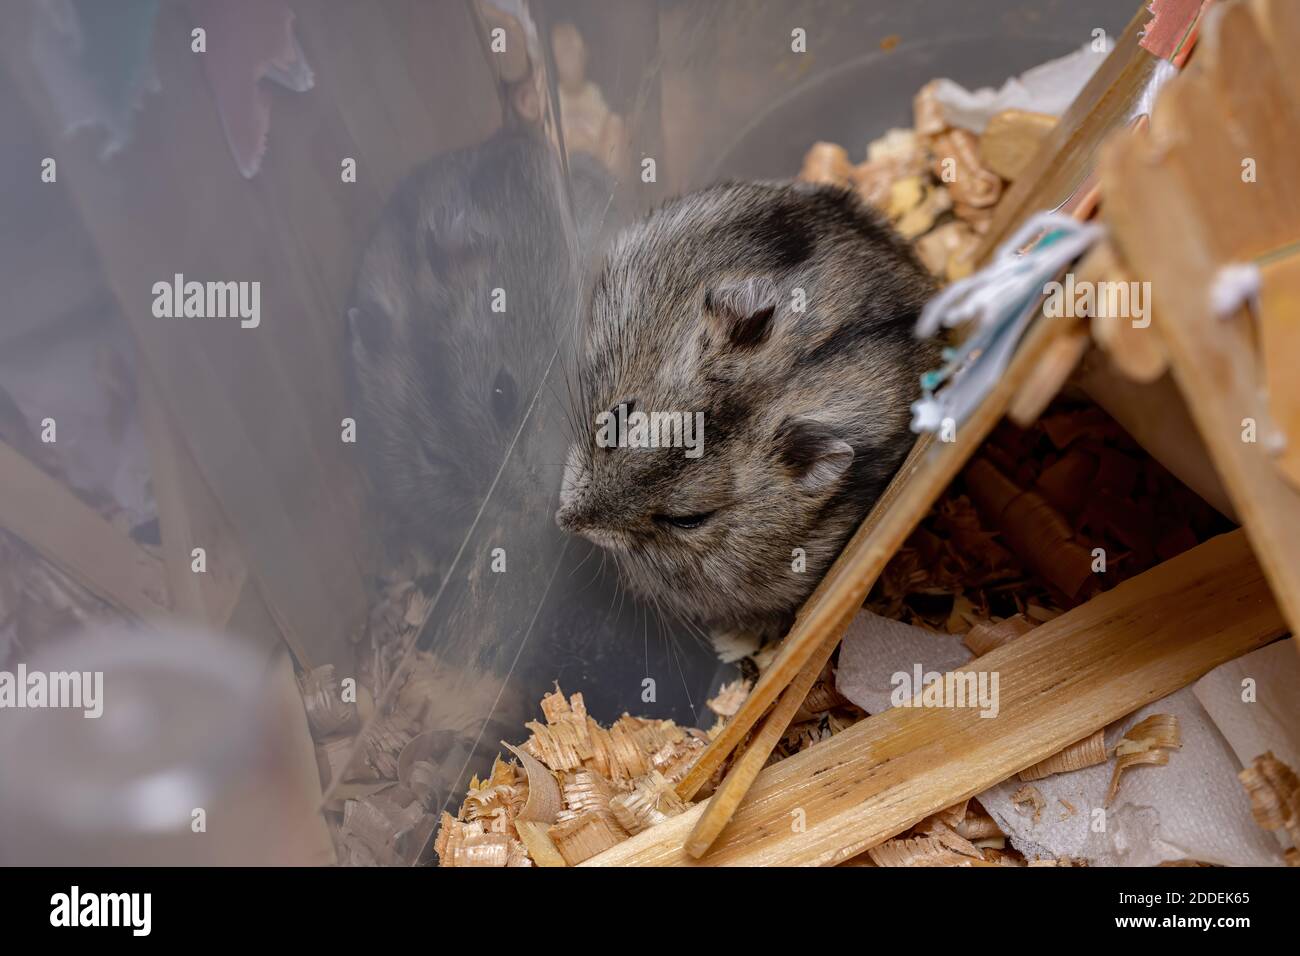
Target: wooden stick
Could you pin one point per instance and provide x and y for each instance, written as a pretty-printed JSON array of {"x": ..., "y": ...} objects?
[
  {"x": 72, "y": 536},
  {"x": 1045, "y": 382},
  {"x": 1131, "y": 349},
  {"x": 1127, "y": 647},
  {"x": 741, "y": 776}
]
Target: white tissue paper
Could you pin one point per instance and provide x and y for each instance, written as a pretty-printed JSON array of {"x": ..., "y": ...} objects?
[
  {"x": 1255, "y": 702},
  {"x": 875, "y": 648},
  {"x": 1192, "y": 809},
  {"x": 1047, "y": 88}
]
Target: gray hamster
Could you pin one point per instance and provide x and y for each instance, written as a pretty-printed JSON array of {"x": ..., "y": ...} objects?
[
  {"x": 440, "y": 379},
  {"x": 782, "y": 314}
]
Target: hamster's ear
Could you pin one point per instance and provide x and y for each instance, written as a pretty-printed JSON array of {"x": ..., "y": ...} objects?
[
  {"x": 455, "y": 238},
  {"x": 743, "y": 309},
  {"x": 367, "y": 330},
  {"x": 813, "y": 453}
]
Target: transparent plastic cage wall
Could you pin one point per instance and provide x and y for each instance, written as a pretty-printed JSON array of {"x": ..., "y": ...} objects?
[{"x": 233, "y": 434}]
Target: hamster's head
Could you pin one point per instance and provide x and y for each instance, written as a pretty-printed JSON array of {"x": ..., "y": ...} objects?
[
  {"x": 743, "y": 393},
  {"x": 459, "y": 303}
]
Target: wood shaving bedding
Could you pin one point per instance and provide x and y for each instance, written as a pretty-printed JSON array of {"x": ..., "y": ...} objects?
[
  {"x": 1274, "y": 793},
  {"x": 1029, "y": 800},
  {"x": 921, "y": 851},
  {"x": 1147, "y": 742},
  {"x": 578, "y": 789},
  {"x": 1084, "y": 753}
]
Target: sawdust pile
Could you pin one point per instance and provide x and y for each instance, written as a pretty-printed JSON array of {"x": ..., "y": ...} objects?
[
  {"x": 936, "y": 184},
  {"x": 578, "y": 789}
]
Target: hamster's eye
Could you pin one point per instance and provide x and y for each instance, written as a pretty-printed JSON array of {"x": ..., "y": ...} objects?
[
  {"x": 685, "y": 522},
  {"x": 505, "y": 396}
]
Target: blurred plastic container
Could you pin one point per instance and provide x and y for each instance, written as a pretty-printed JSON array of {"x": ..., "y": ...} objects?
[{"x": 165, "y": 747}]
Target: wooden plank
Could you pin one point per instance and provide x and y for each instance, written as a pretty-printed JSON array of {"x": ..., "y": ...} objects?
[
  {"x": 1179, "y": 209},
  {"x": 72, "y": 536},
  {"x": 1140, "y": 356},
  {"x": 1279, "y": 347},
  {"x": 1129, "y": 646}
]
